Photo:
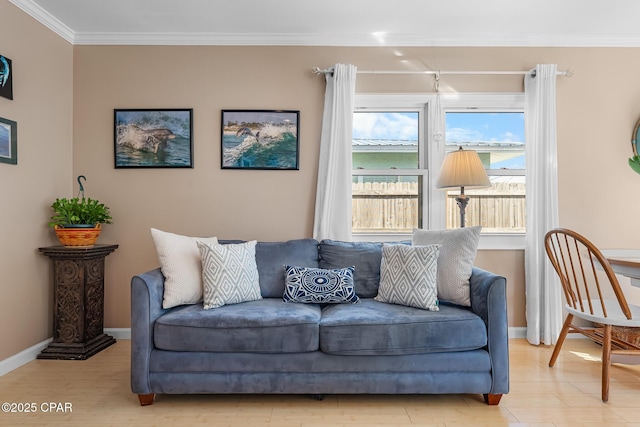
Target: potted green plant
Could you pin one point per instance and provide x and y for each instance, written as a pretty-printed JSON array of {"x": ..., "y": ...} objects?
[
  {"x": 79, "y": 213},
  {"x": 78, "y": 221}
]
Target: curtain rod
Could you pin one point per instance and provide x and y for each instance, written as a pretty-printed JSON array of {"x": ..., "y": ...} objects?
[{"x": 566, "y": 73}]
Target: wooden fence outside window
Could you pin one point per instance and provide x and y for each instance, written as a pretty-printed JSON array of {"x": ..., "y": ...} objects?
[{"x": 393, "y": 207}]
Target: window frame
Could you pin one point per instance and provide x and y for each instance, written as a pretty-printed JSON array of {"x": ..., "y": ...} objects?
[
  {"x": 431, "y": 155},
  {"x": 488, "y": 103},
  {"x": 399, "y": 103}
]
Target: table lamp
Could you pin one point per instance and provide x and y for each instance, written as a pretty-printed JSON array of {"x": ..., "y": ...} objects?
[{"x": 462, "y": 168}]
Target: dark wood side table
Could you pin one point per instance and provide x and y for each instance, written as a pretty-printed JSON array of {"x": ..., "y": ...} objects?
[{"x": 78, "y": 298}]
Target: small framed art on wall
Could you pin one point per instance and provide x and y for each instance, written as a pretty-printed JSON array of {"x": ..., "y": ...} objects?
[
  {"x": 6, "y": 78},
  {"x": 260, "y": 139},
  {"x": 153, "y": 138},
  {"x": 8, "y": 141}
]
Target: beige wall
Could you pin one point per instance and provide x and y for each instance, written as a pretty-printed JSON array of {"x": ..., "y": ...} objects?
[
  {"x": 597, "y": 110},
  {"x": 42, "y": 107}
]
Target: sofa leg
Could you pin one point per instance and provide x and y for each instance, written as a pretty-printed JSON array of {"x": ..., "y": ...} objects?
[
  {"x": 318, "y": 397},
  {"x": 146, "y": 399},
  {"x": 492, "y": 399}
]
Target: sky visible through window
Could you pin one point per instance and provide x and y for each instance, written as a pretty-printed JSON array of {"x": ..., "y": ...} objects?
[
  {"x": 461, "y": 127},
  {"x": 392, "y": 126},
  {"x": 485, "y": 127}
]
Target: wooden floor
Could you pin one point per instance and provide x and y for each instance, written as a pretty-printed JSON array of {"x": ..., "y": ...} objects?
[{"x": 96, "y": 392}]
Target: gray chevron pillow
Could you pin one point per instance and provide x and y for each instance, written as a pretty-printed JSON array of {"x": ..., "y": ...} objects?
[
  {"x": 408, "y": 276},
  {"x": 455, "y": 262},
  {"x": 229, "y": 273}
]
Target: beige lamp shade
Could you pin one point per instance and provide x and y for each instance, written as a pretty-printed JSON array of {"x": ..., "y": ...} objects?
[{"x": 463, "y": 168}]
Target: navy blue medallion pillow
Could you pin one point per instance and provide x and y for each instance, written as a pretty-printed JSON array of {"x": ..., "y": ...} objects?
[{"x": 316, "y": 285}]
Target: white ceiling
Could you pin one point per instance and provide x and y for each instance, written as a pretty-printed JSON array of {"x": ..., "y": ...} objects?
[{"x": 342, "y": 22}]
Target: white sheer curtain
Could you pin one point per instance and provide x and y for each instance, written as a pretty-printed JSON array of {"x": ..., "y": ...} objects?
[
  {"x": 333, "y": 195},
  {"x": 543, "y": 297}
]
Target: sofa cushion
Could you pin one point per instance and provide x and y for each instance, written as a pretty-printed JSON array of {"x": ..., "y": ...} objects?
[
  {"x": 317, "y": 285},
  {"x": 263, "y": 326},
  {"x": 271, "y": 257},
  {"x": 229, "y": 273},
  {"x": 364, "y": 256},
  {"x": 408, "y": 276},
  {"x": 180, "y": 264},
  {"x": 455, "y": 262},
  {"x": 377, "y": 328}
]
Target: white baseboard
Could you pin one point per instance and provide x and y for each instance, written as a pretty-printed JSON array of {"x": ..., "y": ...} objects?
[
  {"x": 521, "y": 332},
  {"x": 13, "y": 362},
  {"x": 25, "y": 356},
  {"x": 119, "y": 333},
  {"x": 518, "y": 332}
]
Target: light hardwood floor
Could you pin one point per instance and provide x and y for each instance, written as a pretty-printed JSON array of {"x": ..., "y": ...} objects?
[{"x": 97, "y": 391}]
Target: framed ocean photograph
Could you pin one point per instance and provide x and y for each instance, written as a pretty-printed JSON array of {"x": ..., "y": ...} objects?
[
  {"x": 260, "y": 139},
  {"x": 160, "y": 138},
  {"x": 8, "y": 141},
  {"x": 6, "y": 78}
]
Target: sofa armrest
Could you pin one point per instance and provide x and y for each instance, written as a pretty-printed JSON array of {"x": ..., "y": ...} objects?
[
  {"x": 489, "y": 301},
  {"x": 146, "y": 306}
]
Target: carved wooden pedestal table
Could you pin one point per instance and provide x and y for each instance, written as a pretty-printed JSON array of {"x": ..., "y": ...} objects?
[{"x": 78, "y": 298}]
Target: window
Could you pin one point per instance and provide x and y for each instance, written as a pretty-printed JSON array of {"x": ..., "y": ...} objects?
[
  {"x": 493, "y": 125},
  {"x": 395, "y": 164},
  {"x": 387, "y": 172},
  {"x": 498, "y": 137}
]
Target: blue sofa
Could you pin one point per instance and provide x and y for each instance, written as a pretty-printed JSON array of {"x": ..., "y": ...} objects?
[{"x": 272, "y": 346}]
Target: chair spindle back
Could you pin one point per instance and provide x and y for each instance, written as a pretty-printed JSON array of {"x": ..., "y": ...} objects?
[{"x": 577, "y": 261}]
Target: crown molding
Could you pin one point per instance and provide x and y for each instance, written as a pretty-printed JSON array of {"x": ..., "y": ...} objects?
[
  {"x": 45, "y": 18},
  {"x": 347, "y": 40},
  {"x": 221, "y": 39}
]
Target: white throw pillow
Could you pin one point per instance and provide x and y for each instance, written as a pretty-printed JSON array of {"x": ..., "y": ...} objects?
[
  {"x": 408, "y": 276},
  {"x": 180, "y": 263},
  {"x": 455, "y": 262},
  {"x": 229, "y": 273}
]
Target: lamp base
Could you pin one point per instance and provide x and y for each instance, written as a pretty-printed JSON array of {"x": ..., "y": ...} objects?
[{"x": 462, "y": 201}]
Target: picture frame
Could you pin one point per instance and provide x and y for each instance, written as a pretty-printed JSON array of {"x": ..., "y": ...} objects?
[
  {"x": 153, "y": 138},
  {"x": 6, "y": 77},
  {"x": 8, "y": 141},
  {"x": 260, "y": 139}
]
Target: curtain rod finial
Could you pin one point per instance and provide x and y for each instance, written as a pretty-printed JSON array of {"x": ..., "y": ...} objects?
[
  {"x": 569, "y": 72},
  {"x": 317, "y": 71}
]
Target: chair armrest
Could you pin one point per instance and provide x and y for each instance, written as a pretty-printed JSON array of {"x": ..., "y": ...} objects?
[
  {"x": 146, "y": 306},
  {"x": 489, "y": 301}
]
